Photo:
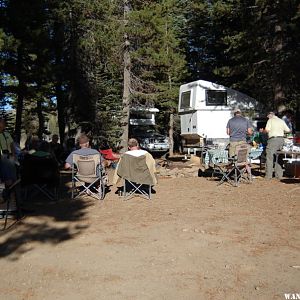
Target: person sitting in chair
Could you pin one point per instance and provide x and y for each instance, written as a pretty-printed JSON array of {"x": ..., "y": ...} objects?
[
  {"x": 8, "y": 172},
  {"x": 85, "y": 149},
  {"x": 135, "y": 151}
]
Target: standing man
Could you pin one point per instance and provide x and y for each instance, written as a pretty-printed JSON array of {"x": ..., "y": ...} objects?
[
  {"x": 237, "y": 128},
  {"x": 275, "y": 128},
  {"x": 7, "y": 156}
]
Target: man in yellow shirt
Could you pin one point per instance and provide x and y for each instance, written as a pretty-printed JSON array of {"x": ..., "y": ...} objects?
[{"x": 276, "y": 128}]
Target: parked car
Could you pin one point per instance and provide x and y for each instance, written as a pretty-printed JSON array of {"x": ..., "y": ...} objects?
[{"x": 150, "y": 139}]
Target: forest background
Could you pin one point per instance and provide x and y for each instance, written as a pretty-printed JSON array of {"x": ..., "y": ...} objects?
[{"x": 87, "y": 62}]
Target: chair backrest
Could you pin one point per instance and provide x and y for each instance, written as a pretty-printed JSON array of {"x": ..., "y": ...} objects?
[
  {"x": 39, "y": 170},
  {"x": 241, "y": 154},
  {"x": 87, "y": 165},
  {"x": 135, "y": 169}
]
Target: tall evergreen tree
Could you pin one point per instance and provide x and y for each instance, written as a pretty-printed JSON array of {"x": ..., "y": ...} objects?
[
  {"x": 157, "y": 60},
  {"x": 250, "y": 45}
]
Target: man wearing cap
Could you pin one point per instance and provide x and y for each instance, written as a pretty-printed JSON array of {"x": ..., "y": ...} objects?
[
  {"x": 237, "y": 128},
  {"x": 275, "y": 128},
  {"x": 84, "y": 143}
]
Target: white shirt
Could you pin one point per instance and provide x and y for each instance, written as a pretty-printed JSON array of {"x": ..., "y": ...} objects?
[
  {"x": 276, "y": 127},
  {"x": 137, "y": 152}
]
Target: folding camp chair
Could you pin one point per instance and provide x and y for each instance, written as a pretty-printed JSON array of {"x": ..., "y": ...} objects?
[
  {"x": 10, "y": 206},
  {"x": 88, "y": 176},
  {"x": 137, "y": 176},
  {"x": 42, "y": 174},
  {"x": 235, "y": 170}
]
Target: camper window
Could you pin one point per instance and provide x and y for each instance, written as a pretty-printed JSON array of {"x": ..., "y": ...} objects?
[
  {"x": 214, "y": 97},
  {"x": 185, "y": 100}
]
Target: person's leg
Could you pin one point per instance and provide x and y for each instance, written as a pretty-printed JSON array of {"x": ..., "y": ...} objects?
[
  {"x": 8, "y": 171},
  {"x": 270, "y": 151},
  {"x": 232, "y": 147},
  {"x": 278, "y": 167},
  {"x": 231, "y": 151}
]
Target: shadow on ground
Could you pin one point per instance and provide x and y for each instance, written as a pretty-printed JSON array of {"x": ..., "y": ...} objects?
[{"x": 45, "y": 221}]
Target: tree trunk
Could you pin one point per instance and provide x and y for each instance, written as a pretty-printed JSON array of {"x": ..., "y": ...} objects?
[
  {"x": 171, "y": 132},
  {"x": 60, "y": 111},
  {"x": 20, "y": 96},
  {"x": 126, "y": 86},
  {"x": 279, "y": 96},
  {"x": 61, "y": 105},
  {"x": 19, "y": 111},
  {"x": 39, "y": 107}
]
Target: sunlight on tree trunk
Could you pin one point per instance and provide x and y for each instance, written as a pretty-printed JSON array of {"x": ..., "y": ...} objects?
[
  {"x": 20, "y": 96},
  {"x": 126, "y": 85},
  {"x": 39, "y": 108},
  {"x": 171, "y": 132}
]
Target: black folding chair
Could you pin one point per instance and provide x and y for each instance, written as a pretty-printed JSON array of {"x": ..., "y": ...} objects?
[{"x": 42, "y": 174}]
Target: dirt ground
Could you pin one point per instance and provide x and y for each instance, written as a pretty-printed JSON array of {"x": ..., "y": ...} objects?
[{"x": 194, "y": 240}]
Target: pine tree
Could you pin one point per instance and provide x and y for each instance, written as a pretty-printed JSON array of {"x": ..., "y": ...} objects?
[
  {"x": 157, "y": 60},
  {"x": 249, "y": 45}
]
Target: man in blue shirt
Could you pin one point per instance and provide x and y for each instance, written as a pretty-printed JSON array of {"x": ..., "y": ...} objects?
[
  {"x": 84, "y": 143},
  {"x": 237, "y": 128}
]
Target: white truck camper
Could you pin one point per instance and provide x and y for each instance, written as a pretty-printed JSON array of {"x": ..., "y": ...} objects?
[{"x": 205, "y": 108}]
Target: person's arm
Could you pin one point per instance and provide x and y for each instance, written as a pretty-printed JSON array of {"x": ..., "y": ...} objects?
[
  {"x": 268, "y": 127},
  {"x": 67, "y": 166},
  {"x": 286, "y": 128},
  {"x": 249, "y": 129},
  {"x": 228, "y": 128},
  {"x": 69, "y": 161},
  {"x": 13, "y": 150}
]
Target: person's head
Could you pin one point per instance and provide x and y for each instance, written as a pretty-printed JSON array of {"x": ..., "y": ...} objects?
[
  {"x": 34, "y": 143},
  {"x": 70, "y": 143},
  {"x": 54, "y": 138},
  {"x": 44, "y": 146},
  {"x": 270, "y": 115},
  {"x": 84, "y": 141},
  {"x": 288, "y": 113},
  {"x": 237, "y": 112},
  {"x": 104, "y": 145},
  {"x": 2, "y": 124},
  {"x": 133, "y": 144}
]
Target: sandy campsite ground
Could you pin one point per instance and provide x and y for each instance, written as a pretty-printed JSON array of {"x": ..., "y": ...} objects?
[{"x": 194, "y": 240}]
